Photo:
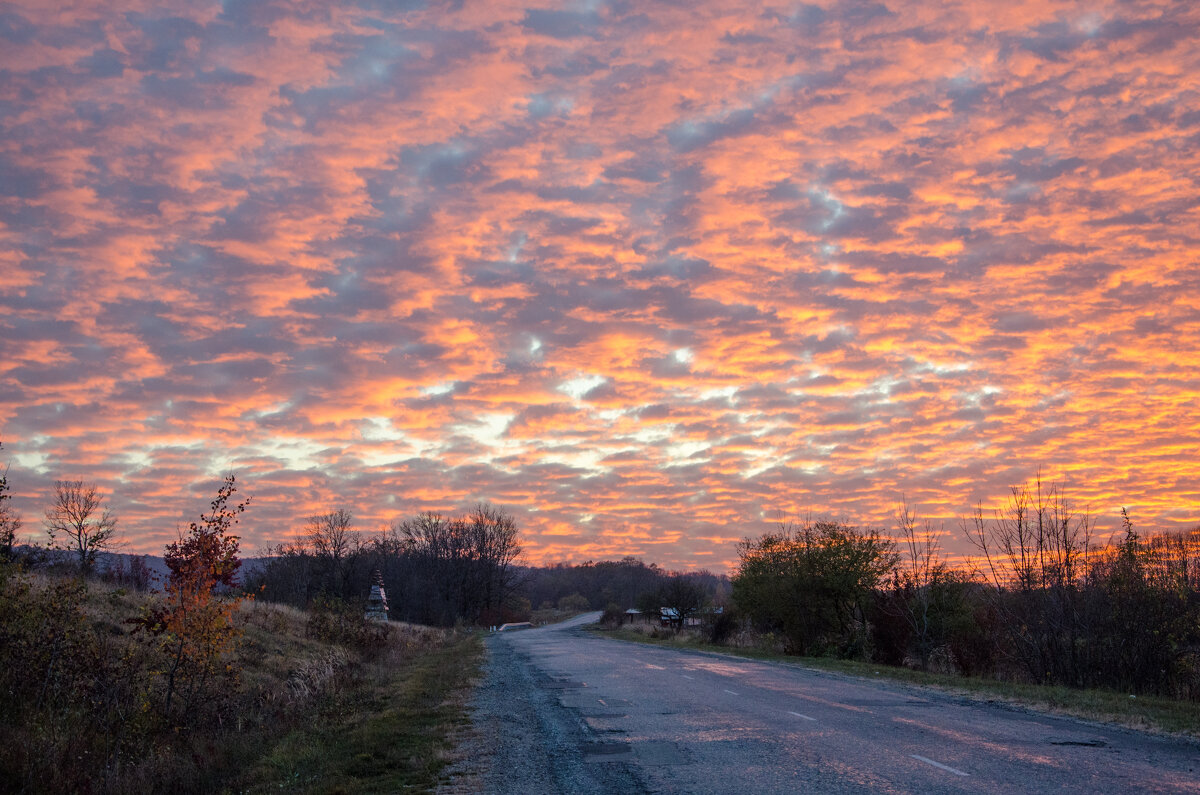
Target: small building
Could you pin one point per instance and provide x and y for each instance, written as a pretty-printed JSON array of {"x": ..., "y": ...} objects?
[
  {"x": 635, "y": 616},
  {"x": 669, "y": 616}
]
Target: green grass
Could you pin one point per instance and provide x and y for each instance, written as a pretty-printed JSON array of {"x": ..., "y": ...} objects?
[
  {"x": 390, "y": 729},
  {"x": 1148, "y": 713}
]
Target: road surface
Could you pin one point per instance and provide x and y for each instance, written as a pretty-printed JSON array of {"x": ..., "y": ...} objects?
[{"x": 564, "y": 710}]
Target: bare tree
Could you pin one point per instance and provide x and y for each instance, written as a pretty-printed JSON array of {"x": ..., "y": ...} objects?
[
  {"x": 929, "y": 595},
  {"x": 469, "y": 563},
  {"x": 10, "y": 520},
  {"x": 330, "y": 535},
  {"x": 1035, "y": 551},
  {"x": 1037, "y": 540},
  {"x": 333, "y": 542},
  {"x": 78, "y": 521},
  {"x": 916, "y": 578}
]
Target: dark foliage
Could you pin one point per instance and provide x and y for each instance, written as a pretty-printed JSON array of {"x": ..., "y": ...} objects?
[
  {"x": 619, "y": 582},
  {"x": 10, "y": 520},
  {"x": 813, "y": 583},
  {"x": 1047, "y": 605},
  {"x": 613, "y": 615},
  {"x": 335, "y": 621},
  {"x": 130, "y": 572},
  {"x": 722, "y": 627},
  {"x": 436, "y": 570}
]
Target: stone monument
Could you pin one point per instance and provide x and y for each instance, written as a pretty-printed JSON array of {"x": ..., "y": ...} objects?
[{"x": 377, "y": 607}]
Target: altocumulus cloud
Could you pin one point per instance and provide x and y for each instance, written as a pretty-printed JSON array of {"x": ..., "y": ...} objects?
[{"x": 650, "y": 275}]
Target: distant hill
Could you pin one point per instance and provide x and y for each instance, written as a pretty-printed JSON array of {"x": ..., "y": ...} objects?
[{"x": 110, "y": 562}]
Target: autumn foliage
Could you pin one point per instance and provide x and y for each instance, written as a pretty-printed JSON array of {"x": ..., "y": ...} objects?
[{"x": 196, "y": 625}]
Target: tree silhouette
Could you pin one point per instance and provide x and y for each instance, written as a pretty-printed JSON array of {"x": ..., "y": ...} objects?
[
  {"x": 77, "y": 521},
  {"x": 10, "y": 520}
]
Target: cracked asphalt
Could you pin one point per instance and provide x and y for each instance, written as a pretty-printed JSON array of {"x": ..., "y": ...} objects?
[{"x": 562, "y": 710}]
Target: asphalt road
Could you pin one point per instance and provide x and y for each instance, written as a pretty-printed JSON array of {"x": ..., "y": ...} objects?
[{"x": 563, "y": 710}]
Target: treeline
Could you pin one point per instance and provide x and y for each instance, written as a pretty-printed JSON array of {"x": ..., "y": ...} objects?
[
  {"x": 1044, "y": 603},
  {"x": 437, "y": 570},
  {"x": 444, "y": 570},
  {"x": 626, "y": 583}
]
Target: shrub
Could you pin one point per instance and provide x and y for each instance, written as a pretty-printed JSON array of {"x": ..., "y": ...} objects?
[
  {"x": 722, "y": 627},
  {"x": 613, "y": 615},
  {"x": 344, "y": 624},
  {"x": 813, "y": 583}
]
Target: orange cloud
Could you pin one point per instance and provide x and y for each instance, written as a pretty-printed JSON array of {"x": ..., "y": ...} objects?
[{"x": 651, "y": 277}]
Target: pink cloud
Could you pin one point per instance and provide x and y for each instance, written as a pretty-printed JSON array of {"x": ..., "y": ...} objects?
[{"x": 652, "y": 277}]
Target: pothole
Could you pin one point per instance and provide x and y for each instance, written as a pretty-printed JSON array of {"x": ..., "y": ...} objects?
[
  {"x": 563, "y": 685},
  {"x": 603, "y": 751},
  {"x": 1085, "y": 743}
]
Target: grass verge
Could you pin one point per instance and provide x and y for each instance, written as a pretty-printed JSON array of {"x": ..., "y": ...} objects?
[
  {"x": 391, "y": 728},
  {"x": 1147, "y": 713}
]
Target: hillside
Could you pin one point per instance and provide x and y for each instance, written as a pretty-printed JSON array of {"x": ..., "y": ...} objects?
[
  {"x": 316, "y": 701},
  {"x": 121, "y": 568}
]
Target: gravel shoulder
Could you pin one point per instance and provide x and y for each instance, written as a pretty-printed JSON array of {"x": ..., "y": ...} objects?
[{"x": 524, "y": 740}]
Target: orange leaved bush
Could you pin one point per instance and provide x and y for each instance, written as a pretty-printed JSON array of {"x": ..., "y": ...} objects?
[{"x": 196, "y": 624}]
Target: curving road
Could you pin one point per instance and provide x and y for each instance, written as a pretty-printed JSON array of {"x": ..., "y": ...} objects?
[{"x": 564, "y": 710}]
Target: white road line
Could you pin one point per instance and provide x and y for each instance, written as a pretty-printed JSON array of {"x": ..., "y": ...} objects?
[
  {"x": 685, "y": 676},
  {"x": 798, "y": 715},
  {"x": 602, "y": 701},
  {"x": 947, "y": 768},
  {"x": 730, "y": 692}
]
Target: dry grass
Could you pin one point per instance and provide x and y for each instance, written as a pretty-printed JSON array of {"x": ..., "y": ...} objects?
[
  {"x": 395, "y": 729},
  {"x": 81, "y": 696}
]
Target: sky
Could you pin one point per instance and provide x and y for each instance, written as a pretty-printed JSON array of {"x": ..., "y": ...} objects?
[{"x": 652, "y": 276}]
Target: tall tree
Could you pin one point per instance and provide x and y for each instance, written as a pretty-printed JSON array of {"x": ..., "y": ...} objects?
[
  {"x": 332, "y": 541},
  {"x": 469, "y": 563},
  {"x": 79, "y": 522},
  {"x": 1035, "y": 553},
  {"x": 683, "y": 597}
]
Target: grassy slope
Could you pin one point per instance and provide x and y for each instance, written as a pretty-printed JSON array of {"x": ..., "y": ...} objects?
[
  {"x": 392, "y": 729},
  {"x": 301, "y": 709},
  {"x": 1147, "y": 713}
]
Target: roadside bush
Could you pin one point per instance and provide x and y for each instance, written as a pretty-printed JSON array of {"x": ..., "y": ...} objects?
[
  {"x": 813, "y": 583},
  {"x": 892, "y": 637},
  {"x": 722, "y": 627},
  {"x": 913, "y": 621}
]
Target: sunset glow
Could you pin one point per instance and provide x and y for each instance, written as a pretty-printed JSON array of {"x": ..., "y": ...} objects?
[{"x": 651, "y": 276}]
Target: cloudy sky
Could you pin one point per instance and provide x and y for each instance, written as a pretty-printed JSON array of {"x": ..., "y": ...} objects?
[{"x": 651, "y": 275}]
